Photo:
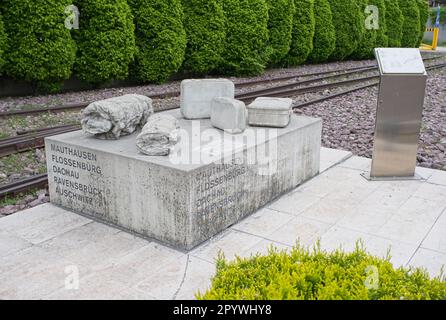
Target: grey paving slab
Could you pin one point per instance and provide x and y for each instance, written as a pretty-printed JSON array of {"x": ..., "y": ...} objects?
[
  {"x": 42, "y": 223},
  {"x": 39, "y": 247},
  {"x": 332, "y": 157}
]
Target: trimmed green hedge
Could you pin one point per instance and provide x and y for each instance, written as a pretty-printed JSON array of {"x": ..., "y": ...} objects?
[
  {"x": 41, "y": 50},
  {"x": 105, "y": 39},
  {"x": 280, "y": 26},
  {"x": 304, "y": 274},
  {"x": 394, "y": 23},
  {"x": 347, "y": 20},
  {"x": 411, "y": 23},
  {"x": 423, "y": 7},
  {"x": 324, "y": 40},
  {"x": 3, "y": 44},
  {"x": 302, "y": 34},
  {"x": 382, "y": 39},
  {"x": 160, "y": 38},
  {"x": 433, "y": 15},
  {"x": 204, "y": 22},
  {"x": 247, "y": 51},
  {"x": 367, "y": 42}
]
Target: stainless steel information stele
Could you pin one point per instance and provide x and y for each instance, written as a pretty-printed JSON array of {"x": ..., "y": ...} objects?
[{"x": 399, "y": 113}]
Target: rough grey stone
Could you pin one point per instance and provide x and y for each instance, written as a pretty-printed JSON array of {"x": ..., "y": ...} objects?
[
  {"x": 197, "y": 95},
  {"x": 112, "y": 118},
  {"x": 159, "y": 135},
  {"x": 229, "y": 115}
]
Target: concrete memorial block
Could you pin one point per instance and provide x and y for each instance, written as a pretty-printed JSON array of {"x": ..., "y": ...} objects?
[
  {"x": 158, "y": 136},
  {"x": 197, "y": 95},
  {"x": 120, "y": 116},
  {"x": 210, "y": 180},
  {"x": 270, "y": 112},
  {"x": 229, "y": 115}
]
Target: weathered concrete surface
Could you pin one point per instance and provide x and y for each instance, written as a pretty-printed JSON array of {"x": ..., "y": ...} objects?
[
  {"x": 197, "y": 95},
  {"x": 193, "y": 194},
  {"x": 158, "y": 136},
  {"x": 110, "y": 119},
  {"x": 229, "y": 115},
  {"x": 270, "y": 112}
]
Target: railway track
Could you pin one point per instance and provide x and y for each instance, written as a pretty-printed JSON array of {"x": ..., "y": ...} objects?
[
  {"x": 28, "y": 140},
  {"x": 321, "y": 75}
]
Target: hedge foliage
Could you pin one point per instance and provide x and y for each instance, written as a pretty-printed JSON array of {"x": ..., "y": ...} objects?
[
  {"x": 324, "y": 40},
  {"x": 160, "y": 38},
  {"x": 40, "y": 50},
  {"x": 347, "y": 20},
  {"x": 382, "y": 39},
  {"x": 302, "y": 34},
  {"x": 367, "y": 42},
  {"x": 204, "y": 22},
  {"x": 411, "y": 24},
  {"x": 394, "y": 23},
  {"x": 247, "y": 51},
  {"x": 3, "y": 44},
  {"x": 433, "y": 15},
  {"x": 423, "y": 7},
  {"x": 105, "y": 39},
  {"x": 280, "y": 26},
  {"x": 304, "y": 274}
]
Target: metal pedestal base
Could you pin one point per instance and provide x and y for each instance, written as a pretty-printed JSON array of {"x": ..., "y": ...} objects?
[{"x": 366, "y": 175}]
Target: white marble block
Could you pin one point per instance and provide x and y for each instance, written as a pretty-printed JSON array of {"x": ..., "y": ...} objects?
[
  {"x": 197, "y": 95},
  {"x": 229, "y": 115},
  {"x": 270, "y": 112}
]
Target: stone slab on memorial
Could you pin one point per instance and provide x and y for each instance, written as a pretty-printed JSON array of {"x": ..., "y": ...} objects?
[{"x": 210, "y": 181}]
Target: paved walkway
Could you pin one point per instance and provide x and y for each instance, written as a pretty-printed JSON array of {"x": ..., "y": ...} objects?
[{"x": 43, "y": 249}]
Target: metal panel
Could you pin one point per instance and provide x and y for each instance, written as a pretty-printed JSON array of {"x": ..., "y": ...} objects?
[{"x": 398, "y": 125}]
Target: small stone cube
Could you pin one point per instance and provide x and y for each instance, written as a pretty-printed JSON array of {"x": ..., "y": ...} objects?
[
  {"x": 229, "y": 115},
  {"x": 197, "y": 95},
  {"x": 270, "y": 112}
]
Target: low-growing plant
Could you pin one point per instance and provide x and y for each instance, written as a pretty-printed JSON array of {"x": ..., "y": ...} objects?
[
  {"x": 348, "y": 22},
  {"x": 394, "y": 23},
  {"x": 304, "y": 274},
  {"x": 411, "y": 24},
  {"x": 280, "y": 26},
  {"x": 105, "y": 39},
  {"x": 324, "y": 40},
  {"x": 3, "y": 44},
  {"x": 40, "y": 48},
  {"x": 303, "y": 32},
  {"x": 204, "y": 22},
  {"x": 247, "y": 51},
  {"x": 423, "y": 7}
]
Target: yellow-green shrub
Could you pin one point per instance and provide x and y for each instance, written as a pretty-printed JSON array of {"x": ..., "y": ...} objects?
[
  {"x": 324, "y": 40},
  {"x": 304, "y": 274}
]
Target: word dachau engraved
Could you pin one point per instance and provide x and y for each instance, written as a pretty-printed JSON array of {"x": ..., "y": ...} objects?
[{"x": 68, "y": 166}]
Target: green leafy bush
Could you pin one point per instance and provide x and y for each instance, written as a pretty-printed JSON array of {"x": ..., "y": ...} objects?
[
  {"x": 382, "y": 40},
  {"x": 247, "y": 51},
  {"x": 411, "y": 24},
  {"x": 40, "y": 50},
  {"x": 3, "y": 44},
  {"x": 324, "y": 40},
  {"x": 160, "y": 38},
  {"x": 348, "y": 22},
  {"x": 304, "y": 274},
  {"x": 303, "y": 32},
  {"x": 367, "y": 42},
  {"x": 105, "y": 39},
  {"x": 280, "y": 26},
  {"x": 423, "y": 7},
  {"x": 204, "y": 22},
  {"x": 394, "y": 23}
]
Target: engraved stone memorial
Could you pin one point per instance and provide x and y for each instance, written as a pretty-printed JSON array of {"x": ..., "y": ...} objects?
[{"x": 210, "y": 180}]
